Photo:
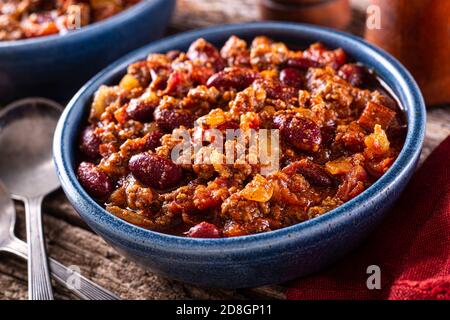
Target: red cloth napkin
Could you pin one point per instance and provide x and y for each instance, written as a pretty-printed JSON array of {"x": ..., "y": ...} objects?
[{"x": 411, "y": 247}]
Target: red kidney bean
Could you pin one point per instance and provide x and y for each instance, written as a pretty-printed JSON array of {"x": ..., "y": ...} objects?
[
  {"x": 155, "y": 171},
  {"x": 235, "y": 77},
  {"x": 292, "y": 77},
  {"x": 280, "y": 92},
  {"x": 205, "y": 52},
  {"x": 355, "y": 74},
  {"x": 90, "y": 143},
  {"x": 302, "y": 63},
  {"x": 96, "y": 182},
  {"x": 302, "y": 133},
  {"x": 169, "y": 119},
  {"x": 141, "y": 110},
  {"x": 275, "y": 89},
  {"x": 328, "y": 132},
  {"x": 173, "y": 54},
  {"x": 153, "y": 140},
  {"x": 203, "y": 230},
  {"x": 313, "y": 172}
]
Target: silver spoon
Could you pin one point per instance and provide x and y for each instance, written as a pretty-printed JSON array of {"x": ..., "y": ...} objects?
[
  {"x": 26, "y": 168},
  {"x": 85, "y": 289}
]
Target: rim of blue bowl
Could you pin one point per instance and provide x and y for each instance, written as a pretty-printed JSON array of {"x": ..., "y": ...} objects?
[
  {"x": 135, "y": 234},
  {"x": 84, "y": 32}
]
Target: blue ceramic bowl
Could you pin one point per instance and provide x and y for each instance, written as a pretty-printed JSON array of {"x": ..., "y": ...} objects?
[
  {"x": 57, "y": 66},
  {"x": 259, "y": 259}
]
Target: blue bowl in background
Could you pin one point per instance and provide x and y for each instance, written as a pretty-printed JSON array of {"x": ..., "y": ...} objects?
[
  {"x": 265, "y": 258},
  {"x": 57, "y": 66}
]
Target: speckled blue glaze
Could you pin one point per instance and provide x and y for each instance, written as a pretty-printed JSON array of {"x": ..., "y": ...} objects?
[
  {"x": 57, "y": 66},
  {"x": 264, "y": 258}
]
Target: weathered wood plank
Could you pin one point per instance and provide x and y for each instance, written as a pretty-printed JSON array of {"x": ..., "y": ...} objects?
[
  {"x": 13, "y": 280},
  {"x": 192, "y": 14},
  {"x": 438, "y": 128}
]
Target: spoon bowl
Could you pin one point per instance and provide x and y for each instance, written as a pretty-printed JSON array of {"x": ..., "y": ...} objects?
[{"x": 26, "y": 133}]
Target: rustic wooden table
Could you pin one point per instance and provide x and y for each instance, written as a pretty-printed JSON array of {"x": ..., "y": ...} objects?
[{"x": 71, "y": 242}]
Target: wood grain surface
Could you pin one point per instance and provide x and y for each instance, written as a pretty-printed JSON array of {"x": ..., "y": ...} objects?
[{"x": 71, "y": 242}]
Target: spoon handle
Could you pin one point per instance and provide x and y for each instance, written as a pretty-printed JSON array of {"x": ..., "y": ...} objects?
[
  {"x": 81, "y": 286},
  {"x": 39, "y": 284}
]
